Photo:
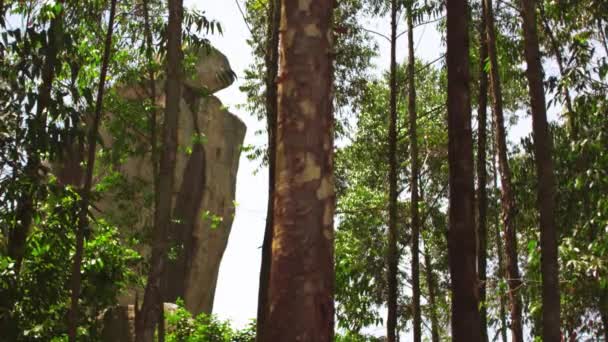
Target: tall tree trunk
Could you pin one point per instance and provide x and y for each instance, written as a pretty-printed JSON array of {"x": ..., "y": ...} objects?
[
  {"x": 153, "y": 136},
  {"x": 461, "y": 234},
  {"x": 37, "y": 127},
  {"x": 151, "y": 306},
  {"x": 272, "y": 66},
  {"x": 301, "y": 287},
  {"x": 546, "y": 178},
  {"x": 557, "y": 52},
  {"x": 415, "y": 215},
  {"x": 482, "y": 195},
  {"x": 393, "y": 254},
  {"x": 500, "y": 274},
  {"x": 83, "y": 219},
  {"x": 507, "y": 195}
]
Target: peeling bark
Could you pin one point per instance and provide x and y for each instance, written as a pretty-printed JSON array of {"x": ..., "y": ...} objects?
[
  {"x": 461, "y": 234},
  {"x": 301, "y": 287}
]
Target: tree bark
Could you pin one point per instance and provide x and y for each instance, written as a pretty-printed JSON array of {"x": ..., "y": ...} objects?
[
  {"x": 604, "y": 312},
  {"x": 546, "y": 178},
  {"x": 272, "y": 66},
  {"x": 507, "y": 196},
  {"x": 151, "y": 306},
  {"x": 482, "y": 195},
  {"x": 461, "y": 235},
  {"x": 415, "y": 215},
  {"x": 392, "y": 253},
  {"x": 83, "y": 221},
  {"x": 301, "y": 287}
]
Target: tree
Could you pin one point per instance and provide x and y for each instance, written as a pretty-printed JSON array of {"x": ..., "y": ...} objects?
[
  {"x": 272, "y": 66},
  {"x": 507, "y": 196},
  {"x": 393, "y": 254},
  {"x": 301, "y": 286},
  {"x": 415, "y": 215},
  {"x": 545, "y": 175},
  {"x": 482, "y": 174},
  {"x": 461, "y": 234},
  {"x": 83, "y": 219},
  {"x": 152, "y": 306}
]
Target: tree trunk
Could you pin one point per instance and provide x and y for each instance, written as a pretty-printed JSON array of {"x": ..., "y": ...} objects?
[
  {"x": 482, "y": 195},
  {"x": 507, "y": 196},
  {"x": 83, "y": 221},
  {"x": 151, "y": 306},
  {"x": 604, "y": 312},
  {"x": 272, "y": 66},
  {"x": 461, "y": 235},
  {"x": 415, "y": 215},
  {"x": 546, "y": 178},
  {"x": 301, "y": 287},
  {"x": 393, "y": 254},
  {"x": 37, "y": 127},
  {"x": 430, "y": 280},
  {"x": 500, "y": 274}
]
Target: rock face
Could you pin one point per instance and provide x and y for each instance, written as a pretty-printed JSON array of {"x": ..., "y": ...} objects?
[{"x": 210, "y": 141}]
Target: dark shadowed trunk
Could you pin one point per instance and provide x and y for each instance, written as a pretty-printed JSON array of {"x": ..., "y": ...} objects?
[
  {"x": 431, "y": 283},
  {"x": 507, "y": 195},
  {"x": 83, "y": 221},
  {"x": 392, "y": 253},
  {"x": 272, "y": 66},
  {"x": 24, "y": 214},
  {"x": 546, "y": 178},
  {"x": 482, "y": 195},
  {"x": 301, "y": 286},
  {"x": 415, "y": 215},
  {"x": 603, "y": 308},
  {"x": 151, "y": 306},
  {"x": 461, "y": 234}
]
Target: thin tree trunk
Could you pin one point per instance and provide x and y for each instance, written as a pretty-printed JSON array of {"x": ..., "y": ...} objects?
[
  {"x": 604, "y": 312},
  {"x": 272, "y": 66},
  {"x": 415, "y": 215},
  {"x": 461, "y": 234},
  {"x": 153, "y": 138},
  {"x": 500, "y": 274},
  {"x": 301, "y": 287},
  {"x": 482, "y": 195},
  {"x": 393, "y": 254},
  {"x": 546, "y": 178},
  {"x": 83, "y": 221},
  {"x": 430, "y": 281},
  {"x": 556, "y": 49},
  {"x": 507, "y": 195},
  {"x": 37, "y": 125},
  {"x": 151, "y": 306}
]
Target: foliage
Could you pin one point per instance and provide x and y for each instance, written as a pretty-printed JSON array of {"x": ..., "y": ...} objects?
[{"x": 182, "y": 327}]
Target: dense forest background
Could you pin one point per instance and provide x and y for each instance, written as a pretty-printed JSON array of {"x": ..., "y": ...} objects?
[{"x": 403, "y": 204}]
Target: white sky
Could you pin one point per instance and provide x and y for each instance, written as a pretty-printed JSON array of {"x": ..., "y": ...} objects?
[{"x": 237, "y": 288}]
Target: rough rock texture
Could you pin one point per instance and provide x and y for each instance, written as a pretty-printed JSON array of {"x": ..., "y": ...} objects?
[{"x": 210, "y": 140}]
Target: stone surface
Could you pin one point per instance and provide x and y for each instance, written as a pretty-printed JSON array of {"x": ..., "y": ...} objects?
[{"x": 210, "y": 141}]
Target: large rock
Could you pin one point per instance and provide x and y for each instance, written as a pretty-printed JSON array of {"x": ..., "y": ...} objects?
[{"x": 210, "y": 141}]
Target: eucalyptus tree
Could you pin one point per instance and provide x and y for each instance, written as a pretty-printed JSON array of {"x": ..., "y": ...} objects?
[
  {"x": 301, "y": 286},
  {"x": 461, "y": 234},
  {"x": 545, "y": 174}
]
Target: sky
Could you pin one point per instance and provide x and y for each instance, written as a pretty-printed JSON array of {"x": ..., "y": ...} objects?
[{"x": 237, "y": 288}]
